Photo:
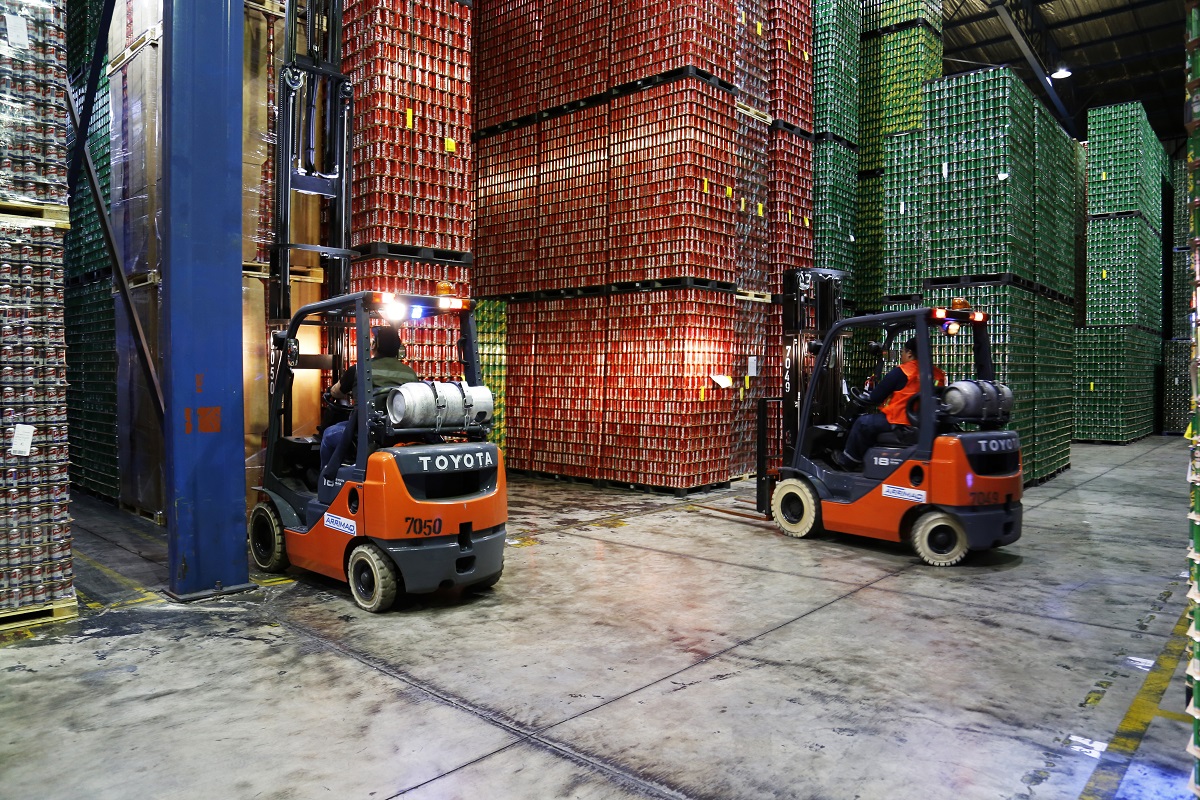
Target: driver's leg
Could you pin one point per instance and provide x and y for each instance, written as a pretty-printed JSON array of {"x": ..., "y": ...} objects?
[
  {"x": 330, "y": 439},
  {"x": 863, "y": 433}
]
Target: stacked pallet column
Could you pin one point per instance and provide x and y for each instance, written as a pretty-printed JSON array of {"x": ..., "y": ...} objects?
[
  {"x": 91, "y": 336},
  {"x": 644, "y": 175},
  {"x": 1177, "y": 326},
  {"x": 36, "y": 574},
  {"x": 412, "y": 201},
  {"x": 1119, "y": 349},
  {"x": 901, "y": 49},
  {"x": 836, "y": 26}
]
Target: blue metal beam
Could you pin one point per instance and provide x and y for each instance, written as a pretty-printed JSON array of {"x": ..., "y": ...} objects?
[{"x": 202, "y": 296}]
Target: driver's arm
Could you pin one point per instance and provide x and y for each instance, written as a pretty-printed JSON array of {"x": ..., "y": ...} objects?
[
  {"x": 342, "y": 389},
  {"x": 892, "y": 382}
]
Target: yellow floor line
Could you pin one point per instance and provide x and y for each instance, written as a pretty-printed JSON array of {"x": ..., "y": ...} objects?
[
  {"x": 1108, "y": 775},
  {"x": 1178, "y": 716},
  {"x": 116, "y": 576}
]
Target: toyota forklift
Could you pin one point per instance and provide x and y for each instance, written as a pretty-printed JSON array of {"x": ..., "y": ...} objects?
[
  {"x": 414, "y": 498},
  {"x": 948, "y": 483}
]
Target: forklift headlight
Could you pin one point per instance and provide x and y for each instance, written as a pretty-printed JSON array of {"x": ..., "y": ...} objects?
[
  {"x": 951, "y": 327},
  {"x": 395, "y": 312}
]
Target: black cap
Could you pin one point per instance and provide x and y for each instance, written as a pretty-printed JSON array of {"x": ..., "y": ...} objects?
[{"x": 911, "y": 346}]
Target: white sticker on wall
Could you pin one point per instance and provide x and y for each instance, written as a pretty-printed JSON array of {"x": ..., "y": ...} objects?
[{"x": 903, "y": 493}]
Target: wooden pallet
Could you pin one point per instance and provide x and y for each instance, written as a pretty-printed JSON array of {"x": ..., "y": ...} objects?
[
  {"x": 56, "y": 611},
  {"x": 42, "y": 214},
  {"x": 157, "y": 517}
]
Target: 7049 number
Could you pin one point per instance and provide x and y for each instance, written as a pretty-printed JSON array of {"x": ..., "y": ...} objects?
[
  {"x": 423, "y": 527},
  {"x": 985, "y": 498}
]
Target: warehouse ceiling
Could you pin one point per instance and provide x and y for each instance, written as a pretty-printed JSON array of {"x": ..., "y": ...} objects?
[{"x": 1117, "y": 52}]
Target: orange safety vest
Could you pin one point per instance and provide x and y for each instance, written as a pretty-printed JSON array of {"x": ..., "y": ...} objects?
[{"x": 896, "y": 407}]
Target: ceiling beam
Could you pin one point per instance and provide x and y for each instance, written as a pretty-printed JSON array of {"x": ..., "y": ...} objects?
[
  {"x": 1138, "y": 58},
  {"x": 1116, "y": 37},
  {"x": 1030, "y": 18},
  {"x": 1126, "y": 8}
]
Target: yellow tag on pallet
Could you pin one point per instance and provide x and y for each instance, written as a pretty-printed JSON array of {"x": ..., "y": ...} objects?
[
  {"x": 408, "y": 118},
  {"x": 758, "y": 27},
  {"x": 747, "y": 381},
  {"x": 701, "y": 393},
  {"x": 1104, "y": 274},
  {"x": 742, "y": 18},
  {"x": 789, "y": 45},
  {"x": 743, "y": 204},
  {"x": 741, "y": 395},
  {"x": 789, "y": 215},
  {"x": 729, "y": 191},
  {"x": 760, "y": 209},
  {"x": 1103, "y": 176},
  {"x": 806, "y": 222},
  {"x": 806, "y": 55},
  {"x": 1092, "y": 386},
  {"x": 706, "y": 185},
  {"x": 451, "y": 145}
]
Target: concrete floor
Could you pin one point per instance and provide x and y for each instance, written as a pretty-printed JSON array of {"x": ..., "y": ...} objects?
[{"x": 639, "y": 646}]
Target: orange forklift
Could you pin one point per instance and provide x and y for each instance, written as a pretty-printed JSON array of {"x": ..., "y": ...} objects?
[
  {"x": 949, "y": 483},
  {"x": 414, "y": 499}
]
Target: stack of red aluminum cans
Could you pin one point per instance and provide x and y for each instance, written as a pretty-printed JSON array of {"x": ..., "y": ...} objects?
[
  {"x": 506, "y": 191},
  {"x": 508, "y": 60},
  {"x": 410, "y": 64},
  {"x": 671, "y": 183},
  {"x": 791, "y": 202},
  {"x": 790, "y": 35},
  {"x": 35, "y": 541},
  {"x": 752, "y": 62},
  {"x": 575, "y": 45},
  {"x": 758, "y": 332},
  {"x": 752, "y": 251},
  {"x": 650, "y": 37},
  {"x": 573, "y": 200}
]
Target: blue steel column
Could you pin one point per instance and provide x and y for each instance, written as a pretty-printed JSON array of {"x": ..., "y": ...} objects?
[{"x": 202, "y": 295}]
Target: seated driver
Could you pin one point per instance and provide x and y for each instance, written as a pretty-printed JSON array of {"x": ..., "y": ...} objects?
[
  {"x": 894, "y": 391},
  {"x": 387, "y": 371}
]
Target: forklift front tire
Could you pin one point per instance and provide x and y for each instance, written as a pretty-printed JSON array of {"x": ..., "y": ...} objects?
[
  {"x": 939, "y": 539},
  {"x": 796, "y": 507},
  {"x": 374, "y": 580},
  {"x": 266, "y": 539}
]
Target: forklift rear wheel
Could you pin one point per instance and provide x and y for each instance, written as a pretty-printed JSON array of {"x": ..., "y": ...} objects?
[
  {"x": 374, "y": 580},
  {"x": 266, "y": 539},
  {"x": 939, "y": 539},
  {"x": 796, "y": 507}
]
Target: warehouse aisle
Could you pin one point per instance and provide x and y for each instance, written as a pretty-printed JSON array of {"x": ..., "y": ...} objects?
[{"x": 642, "y": 646}]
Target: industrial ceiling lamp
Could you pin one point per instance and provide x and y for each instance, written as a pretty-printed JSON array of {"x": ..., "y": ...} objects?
[{"x": 1063, "y": 71}]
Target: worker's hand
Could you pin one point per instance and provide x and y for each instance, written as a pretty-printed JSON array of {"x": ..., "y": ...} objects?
[{"x": 327, "y": 398}]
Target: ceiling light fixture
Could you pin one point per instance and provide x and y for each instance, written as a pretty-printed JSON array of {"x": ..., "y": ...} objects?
[{"x": 1063, "y": 71}]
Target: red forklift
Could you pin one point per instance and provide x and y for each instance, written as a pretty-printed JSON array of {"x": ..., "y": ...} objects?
[
  {"x": 414, "y": 499},
  {"x": 949, "y": 483}
]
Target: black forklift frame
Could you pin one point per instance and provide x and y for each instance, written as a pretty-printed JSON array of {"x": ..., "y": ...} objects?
[
  {"x": 307, "y": 80},
  {"x": 360, "y": 305}
]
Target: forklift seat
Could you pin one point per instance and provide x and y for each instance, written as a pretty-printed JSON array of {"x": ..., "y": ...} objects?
[{"x": 900, "y": 436}]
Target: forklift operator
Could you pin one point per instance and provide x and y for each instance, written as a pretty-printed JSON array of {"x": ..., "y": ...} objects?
[
  {"x": 894, "y": 391},
  {"x": 387, "y": 371}
]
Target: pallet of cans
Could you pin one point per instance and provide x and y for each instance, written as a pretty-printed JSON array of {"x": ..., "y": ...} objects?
[
  {"x": 790, "y": 204},
  {"x": 904, "y": 254},
  {"x": 836, "y": 27},
  {"x": 650, "y": 38},
  {"x": 671, "y": 211},
  {"x": 491, "y": 320},
  {"x": 574, "y": 50},
  {"x": 1054, "y": 387},
  {"x": 1124, "y": 272},
  {"x": 893, "y": 67},
  {"x": 1176, "y": 385},
  {"x": 835, "y": 204},
  {"x": 1182, "y": 314},
  {"x": 573, "y": 200},
  {"x": 1179, "y": 207},
  {"x": 752, "y": 249},
  {"x": 508, "y": 58},
  {"x": 412, "y": 123},
  {"x": 507, "y": 190},
  {"x": 884, "y": 15},
  {"x": 1054, "y": 204},
  {"x": 1115, "y": 376},
  {"x": 757, "y": 374},
  {"x": 1126, "y": 162},
  {"x": 33, "y": 107},
  {"x": 865, "y": 285},
  {"x": 979, "y": 199},
  {"x": 790, "y": 43},
  {"x": 34, "y": 520},
  {"x": 752, "y": 56}
]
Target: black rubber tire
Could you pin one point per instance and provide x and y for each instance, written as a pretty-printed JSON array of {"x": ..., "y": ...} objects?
[
  {"x": 265, "y": 532},
  {"x": 939, "y": 539},
  {"x": 374, "y": 580},
  {"x": 796, "y": 508}
]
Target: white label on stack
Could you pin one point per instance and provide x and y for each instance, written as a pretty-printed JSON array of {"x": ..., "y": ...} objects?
[
  {"x": 22, "y": 440},
  {"x": 18, "y": 31}
]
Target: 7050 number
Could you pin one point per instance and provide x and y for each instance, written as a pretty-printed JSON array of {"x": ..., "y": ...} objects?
[{"x": 423, "y": 527}]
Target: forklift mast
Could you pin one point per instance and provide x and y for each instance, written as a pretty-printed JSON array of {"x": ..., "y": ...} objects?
[
  {"x": 812, "y": 304},
  {"x": 312, "y": 147}
]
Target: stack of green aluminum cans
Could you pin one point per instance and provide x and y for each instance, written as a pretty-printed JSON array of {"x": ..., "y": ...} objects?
[
  {"x": 1177, "y": 385},
  {"x": 1115, "y": 377},
  {"x": 894, "y": 65},
  {"x": 904, "y": 253},
  {"x": 491, "y": 320},
  {"x": 835, "y": 187},
  {"x": 866, "y": 283},
  {"x": 836, "y": 27},
  {"x": 1054, "y": 204}
]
